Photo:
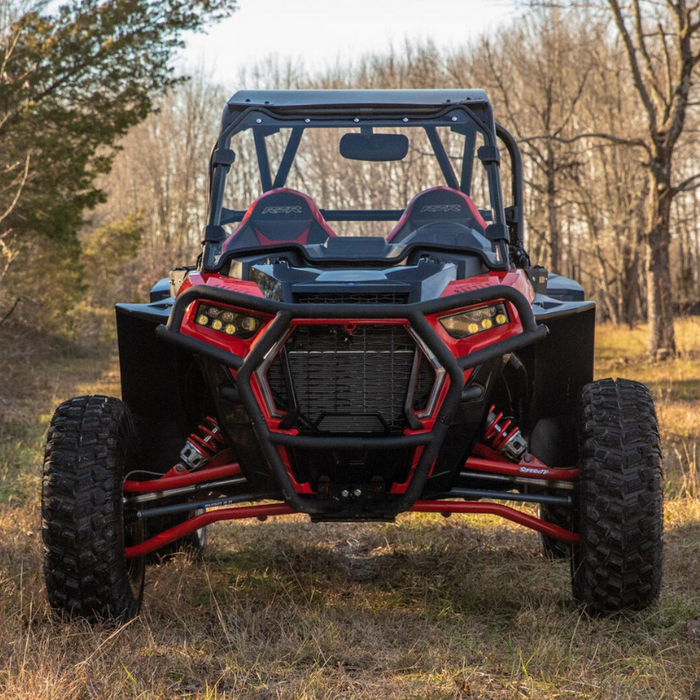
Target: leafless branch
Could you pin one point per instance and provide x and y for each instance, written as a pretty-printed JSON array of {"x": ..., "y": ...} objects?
[
  {"x": 19, "y": 183},
  {"x": 690, "y": 183},
  {"x": 667, "y": 65},
  {"x": 637, "y": 143},
  {"x": 634, "y": 64},
  {"x": 10, "y": 312},
  {"x": 646, "y": 58}
]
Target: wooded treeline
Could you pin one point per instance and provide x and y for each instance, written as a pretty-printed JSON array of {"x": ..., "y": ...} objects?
[
  {"x": 74, "y": 79},
  {"x": 561, "y": 80}
]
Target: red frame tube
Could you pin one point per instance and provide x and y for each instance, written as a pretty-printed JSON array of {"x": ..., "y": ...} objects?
[
  {"x": 241, "y": 512},
  {"x": 166, "y": 483},
  {"x": 497, "y": 509},
  {"x": 534, "y": 469},
  {"x": 175, "y": 533}
]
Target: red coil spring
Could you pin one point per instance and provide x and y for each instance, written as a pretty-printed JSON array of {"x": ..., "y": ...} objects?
[
  {"x": 207, "y": 438},
  {"x": 496, "y": 434}
]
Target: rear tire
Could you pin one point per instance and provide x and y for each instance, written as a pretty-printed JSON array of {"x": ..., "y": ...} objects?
[
  {"x": 618, "y": 562},
  {"x": 91, "y": 445}
]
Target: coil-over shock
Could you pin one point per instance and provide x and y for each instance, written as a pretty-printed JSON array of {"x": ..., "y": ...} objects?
[
  {"x": 503, "y": 436},
  {"x": 205, "y": 442}
]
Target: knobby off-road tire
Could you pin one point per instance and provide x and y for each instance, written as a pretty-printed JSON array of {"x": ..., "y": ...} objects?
[
  {"x": 90, "y": 446},
  {"x": 617, "y": 565}
]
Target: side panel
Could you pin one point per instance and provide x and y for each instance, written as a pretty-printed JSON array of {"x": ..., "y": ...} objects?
[
  {"x": 560, "y": 365},
  {"x": 564, "y": 363},
  {"x": 163, "y": 387}
]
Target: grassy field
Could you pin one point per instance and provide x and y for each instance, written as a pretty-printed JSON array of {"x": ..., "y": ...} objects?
[{"x": 427, "y": 608}]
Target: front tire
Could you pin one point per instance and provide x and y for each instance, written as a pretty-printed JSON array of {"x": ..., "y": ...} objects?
[
  {"x": 91, "y": 445},
  {"x": 617, "y": 564}
]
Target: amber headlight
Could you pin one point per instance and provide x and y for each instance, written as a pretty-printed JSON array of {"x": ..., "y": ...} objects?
[
  {"x": 476, "y": 320},
  {"x": 226, "y": 321}
]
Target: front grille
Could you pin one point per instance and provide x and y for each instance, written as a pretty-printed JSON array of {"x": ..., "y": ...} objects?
[
  {"x": 424, "y": 384},
  {"x": 352, "y": 381},
  {"x": 351, "y": 298}
]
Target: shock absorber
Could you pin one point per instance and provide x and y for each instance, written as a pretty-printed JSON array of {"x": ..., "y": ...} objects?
[
  {"x": 503, "y": 436},
  {"x": 203, "y": 444}
]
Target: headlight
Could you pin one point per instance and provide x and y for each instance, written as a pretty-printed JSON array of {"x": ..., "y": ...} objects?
[
  {"x": 476, "y": 320},
  {"x": 226, "y": 321}
]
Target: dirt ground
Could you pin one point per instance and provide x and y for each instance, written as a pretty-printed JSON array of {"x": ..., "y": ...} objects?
[{"x": 428, "y": 607}]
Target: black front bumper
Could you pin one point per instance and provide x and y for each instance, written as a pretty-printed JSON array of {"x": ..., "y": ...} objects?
[{"x": 415, "y": 314}]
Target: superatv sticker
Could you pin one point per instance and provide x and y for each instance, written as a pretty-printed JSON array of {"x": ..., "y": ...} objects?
[
  {"x": 432, "y": 208},
  {"x": 531, "y": 470},
  {"x": 281, "y": 210}
]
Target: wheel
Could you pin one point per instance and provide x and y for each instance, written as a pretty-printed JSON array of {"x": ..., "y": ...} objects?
[
  {"x": 91, "y": 445},
  {"x": 617, "y": 564}
]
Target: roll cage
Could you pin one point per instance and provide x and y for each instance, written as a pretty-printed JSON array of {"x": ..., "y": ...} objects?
[{"x": 464, "y": 111}]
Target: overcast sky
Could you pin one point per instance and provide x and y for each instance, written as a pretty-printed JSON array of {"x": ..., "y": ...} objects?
[{"x": 321, "y": 32}]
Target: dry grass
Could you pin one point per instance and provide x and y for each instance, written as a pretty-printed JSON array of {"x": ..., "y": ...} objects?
[
  {"x": 676, "y": 388},
  {"x": 427, "y": 608}
]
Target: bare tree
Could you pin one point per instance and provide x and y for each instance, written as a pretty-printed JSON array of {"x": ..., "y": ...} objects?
[
  {"x": 536, "y": 74},
  {"x": 660, "y": 40},
  {"x": 161, "y": 174},
  {"x": 9, "y": 196},
  {"x": 566, "y": 92},
  {"x": 15, "y": 170}
]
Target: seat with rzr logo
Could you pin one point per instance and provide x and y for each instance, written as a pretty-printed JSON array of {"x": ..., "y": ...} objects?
[
  {"x": 438, "y": 204},
  {"x": 280, "y": 216}
]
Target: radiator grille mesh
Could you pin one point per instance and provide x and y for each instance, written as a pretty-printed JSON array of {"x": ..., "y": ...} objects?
[{"x": 350, "y": 381}]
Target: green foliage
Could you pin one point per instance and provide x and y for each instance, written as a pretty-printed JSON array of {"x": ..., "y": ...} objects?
[
  {"x": 72, "y": 81},
  {"x": 48, "y": 281},
  {"x": 106, "y": 254},
  {"x": 106, "y": 249}
]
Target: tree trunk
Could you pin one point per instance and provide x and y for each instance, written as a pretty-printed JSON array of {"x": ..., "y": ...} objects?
[
  {"x": 662, "y": 342},
  {"x": 552, "y": 224},
  {"x": 632, "y": 279},
  {"x": 631, "y": 288}
]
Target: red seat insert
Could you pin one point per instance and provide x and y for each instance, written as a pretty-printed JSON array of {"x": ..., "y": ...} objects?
[
  {"x": 280, "y": 216},
  {"x": 437, "y": 204}
]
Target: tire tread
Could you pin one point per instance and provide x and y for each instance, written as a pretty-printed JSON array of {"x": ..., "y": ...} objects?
[
  {"x": 82, "y": 529},
  {"x": 618, "y": 563}
]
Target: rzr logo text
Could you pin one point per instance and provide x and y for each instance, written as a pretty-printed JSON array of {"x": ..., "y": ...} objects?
[
  {"x": 441, "y": 207},
  {"x": 282, "y": 210}
]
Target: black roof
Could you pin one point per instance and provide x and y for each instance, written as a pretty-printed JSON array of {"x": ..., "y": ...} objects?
[{"x": 318, "y": 98}]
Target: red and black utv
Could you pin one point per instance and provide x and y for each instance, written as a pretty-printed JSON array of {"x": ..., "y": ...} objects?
[{"x": 418, "y": 364}]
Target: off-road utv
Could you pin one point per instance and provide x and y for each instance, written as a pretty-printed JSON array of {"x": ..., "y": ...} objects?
[{"x": 420, "y": 364}]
